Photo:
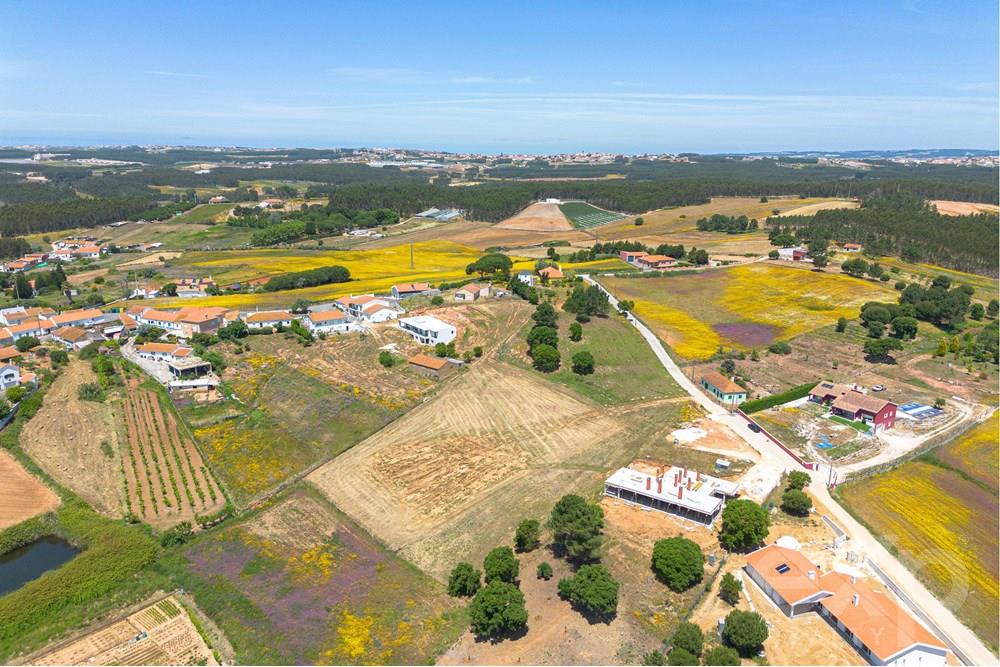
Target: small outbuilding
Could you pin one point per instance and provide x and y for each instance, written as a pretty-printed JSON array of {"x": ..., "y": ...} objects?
[{"x": 434, "y": 367}]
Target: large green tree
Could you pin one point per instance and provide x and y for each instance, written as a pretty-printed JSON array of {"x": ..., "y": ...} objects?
[
  {"x": 745, "y": 631},
  {"x": 744, "y": 525},
  {"x": 497, "y": 609},
  {"x": 501, "y": 565},
  {"x": 678, "y": 562},
  {"x": 592, "y": 589},
  {"x": 577, "y": 528}
]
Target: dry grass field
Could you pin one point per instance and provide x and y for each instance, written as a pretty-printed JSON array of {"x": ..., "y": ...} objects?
[
  {"x": 452, "y": 478},
  {"x": 945, "y": 207},
  {"x": 22, "y": 495},
  {"x": 65, "y": 438},
  {"x": 744, "y": 306},
  {"x": 539, "y": 217},
  {"x": 169, "y": 638}
]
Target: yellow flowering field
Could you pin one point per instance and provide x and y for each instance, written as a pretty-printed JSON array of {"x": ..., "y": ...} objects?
[
  {"x": 745, "y": 306},
  {"x": 945, "y": 529},
  {"x": 976, "y": 452}
]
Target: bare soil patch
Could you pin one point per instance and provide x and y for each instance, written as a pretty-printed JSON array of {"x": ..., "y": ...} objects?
[
  {"x": 539, "y": 217},
  {"x": 65, "y": 438},
  {"x": 945, "y": 207},
  {"x": 22, "y": 495}
]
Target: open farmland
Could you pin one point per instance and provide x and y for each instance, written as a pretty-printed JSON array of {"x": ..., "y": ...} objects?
[
  {"x": 986, "y": 287},
  {"x": 65, "y": 438},
  {"x": 171, "y": 638},
  {"x": 452, "y": 478},
  {"x": 206, "y": 213},
  {"x": 166, "y": 480},
  {"x": 285, "y": 422},
  {"x": 539, "y": 217},
  {"x": 585, "y": 216},
  {"x": 945, "y": 207},
  {"x": 697, "y": 313},
  {"x": 945, "y": 528},
  {"x": 976, "y": 452},
  {"x": 22, "y": 495},
  {"x": 298, "y": 583}
]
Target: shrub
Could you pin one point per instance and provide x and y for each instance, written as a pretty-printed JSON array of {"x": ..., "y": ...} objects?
[
  {"x": 386, "y": 359},
  {"x": 59, "y": 356},
  {"x": 576, "y": 527},
  {"x": 497, "y": 609},
  {"x": 177, "y": 535},
  {"x": 91, "y": 391},
  {"x": 841, "y": 324},
  {"x": 681, "y": 657},
  {"x": 575, "y": 331},
  {"x": 744, "y": 525},
  {"x": 654, "y": 659},
  {"x": 463, "y": 581},
  {"x": 792, "y": 394},
  {"x": 544, "y": 571},
  {"x": 779, "y": 347},
  {"x": 477, "y": 351},
  {"x": 501, "y": 565},
  {"x": 678, "y": 562},
  {"x": 526, "y": 537},
  {"x": 798, "y": 479},
  {"x": 730, "y": 588},
  {"x": 592, "y": 589},
  {"x": 25, "y": 343},
  {"x": 545, "y": 358},
  {"x": 745, "y": 631},
  {"x": 583, "y": 363},
  {"x": 796, "y": 502},
  {"x": 688, "y": 637},
  {"x": 15, "y": 394},
  {"x": 722, "y": 656},
  {"x": 437, "y": 300}
]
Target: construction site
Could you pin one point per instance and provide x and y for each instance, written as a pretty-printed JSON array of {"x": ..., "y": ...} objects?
[{"x": 687, "y": 494}]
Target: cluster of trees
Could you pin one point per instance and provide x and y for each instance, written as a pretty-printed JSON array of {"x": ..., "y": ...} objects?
[
  {"x": 274, "y": 227},
  {"x": 905, "y": 225},
  {"x": 727, "y": 223},
  {"x": 322, "y": 276},
  {"x": 496, "y": 265},
  {"x": 34, "y": 218},
  {"x": 794, "y": 500},
  {"x": 613, "y": 248},
  {"x": 543, "y": 339},
  {"x": 589, "y": 301},
  {"x": 523, "y": 290},
  {"x": 13, "y": 247}
]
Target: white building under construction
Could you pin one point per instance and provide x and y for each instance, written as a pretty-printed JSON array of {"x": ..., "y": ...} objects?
[{"x": 684, "y": 493}]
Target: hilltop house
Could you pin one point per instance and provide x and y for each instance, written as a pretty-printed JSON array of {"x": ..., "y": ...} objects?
[
  {"x": 185, "y": 322},
  {"x": 723, "y": 389},
  {"x": 368, "y": 307},
  {"x": 526, "y": 277},
  {"x": 329, "y": 321},
  {"x": 550, "y": 273},
  {"x": 428, "y": 330},
  {"x": 847, "y": 402},
  {"x": 471, "y": 292},
  {"x": 407, "y": 290},
  {"x": 268, "y": 318},
  {"x": 875, "y": 625},
  {"x": 163, "y": 351},
  {"x": 653, "y": 262},
  {"x": 853, "y": 247},
  {"x": 632, "y": 256},
  {"x": 797, "y": 254}
]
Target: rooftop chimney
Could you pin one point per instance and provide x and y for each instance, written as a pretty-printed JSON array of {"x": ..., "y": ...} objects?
[
  {"x": 698, "y": 475},
  {"x": 680, "y": 493},
  {"x": 649, "y": 480},
  {"x": 659, "y": 486},
  {"x": 689, "y": 484},
  {"x": 811, "y": 574},
  {"x": 855, "y": 599}
]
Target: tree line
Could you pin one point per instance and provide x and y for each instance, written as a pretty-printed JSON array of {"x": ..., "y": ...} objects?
[{"x": 34, "y": 218}]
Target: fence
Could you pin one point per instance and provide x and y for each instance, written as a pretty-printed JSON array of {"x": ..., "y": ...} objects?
[{"x": 805, "y": 464}]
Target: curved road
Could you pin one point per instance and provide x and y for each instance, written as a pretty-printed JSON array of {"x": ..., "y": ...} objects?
[{"x": 963, "y": 641}]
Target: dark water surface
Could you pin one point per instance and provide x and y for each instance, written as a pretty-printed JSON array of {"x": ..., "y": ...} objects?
[{"x": 31, "y": 561}]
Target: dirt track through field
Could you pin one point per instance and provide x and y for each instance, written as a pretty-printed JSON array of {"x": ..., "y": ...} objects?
[{"x": 166, "y": 479}]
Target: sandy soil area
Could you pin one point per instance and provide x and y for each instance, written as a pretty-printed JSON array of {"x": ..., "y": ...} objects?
[
  {"x": 151, "y": 258},
  {"x": 811, "y": 209},
  {"x": 539, "y": 217},
  {"x": 945, "y": 207},
  {"x": 22, "y": 495},
  {"x": 65, "y": 437}
]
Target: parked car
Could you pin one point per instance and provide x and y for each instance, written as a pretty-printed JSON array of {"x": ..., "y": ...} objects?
[
  {"x": 878, "y": 387},
  {"x": 753, "y": 427}
]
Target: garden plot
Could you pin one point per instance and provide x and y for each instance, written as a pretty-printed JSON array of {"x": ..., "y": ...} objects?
[
  {"x": 453, "y": 477},
  {"x": 586, "y": 216},
  {"x": 160, "y": 634},
  {"x": 298, "y": 583}
]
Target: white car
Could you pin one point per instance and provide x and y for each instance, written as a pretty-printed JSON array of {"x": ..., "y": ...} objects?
[{"x": 878, "y": 387}]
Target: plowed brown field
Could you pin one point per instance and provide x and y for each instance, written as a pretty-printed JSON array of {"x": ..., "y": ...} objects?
[
  {"x": 166, "y": 480},
  {"x": 22, "y": 495}
]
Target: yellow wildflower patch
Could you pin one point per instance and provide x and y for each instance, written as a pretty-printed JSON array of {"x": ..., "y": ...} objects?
[
  {"x": 354, "y": 634},
  {"x": 688, "y": 335}
]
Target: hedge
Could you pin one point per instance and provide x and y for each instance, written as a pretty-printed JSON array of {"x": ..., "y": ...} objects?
[{"x": 792, "y": 394}]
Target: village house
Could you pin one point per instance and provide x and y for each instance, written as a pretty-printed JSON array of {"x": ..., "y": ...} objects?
[
  {"x": 268, "y": 318},
  {"x": 194, "y": 287},
  {"x": 39, "y": 328},
  {"x": 73, "y": 338},
  {"x": 368, "y": 307},
  {"x": 271, "y": 203},
  {"x": 18, "y": 314},
  {"x": 9, "y": 352},
  {"x": 723, "y": 389},
  {"x": 10, "y": 376},
  {"x": 550, "y": 273},
  {"x": 471, "y": 292},
  {"x": 407, "y": 290},
  {"x": 677, "y": 491},
  {"x": 654, "y": 262},
  {"x": 797, "y": 254},
  {"x": 852, "y": 247},
  {"x": 163, "y": 351},
  {"x": 847, "y": 402},
  {"x": 526, "y": 277},
  {"x": 632, "y": 256},
  {"x": 217, "y": 199},
  {"x": 873, "y": 623},
  {"x": 329, "y": 321},
  {"x": 428, "y": 330},
  {"x": 84, "y": 317},
  {"x": 185, "y": 322},
  {"x": 434, "y": 367}
]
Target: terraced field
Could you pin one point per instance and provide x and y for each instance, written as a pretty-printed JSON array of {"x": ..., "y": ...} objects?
[
  {"x": 586, "y": 216},
  {"x": 697, "y": 313}
]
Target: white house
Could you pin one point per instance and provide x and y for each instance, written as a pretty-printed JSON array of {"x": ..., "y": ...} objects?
[
  {"x": 329, "y": 321},
  {"x": 526, "y": 277},
  {"x": 268, "y": 318},
  {"x": 793, "y": 254},
  {"x": 72, "y": 338},
  {"x": 163, "y": 351},
  {"x": 10, "y": 376},
  {"x": 428, "y": 330},
  {"x": 368, "y": 307},
  {"x": 471, "y": 292}
]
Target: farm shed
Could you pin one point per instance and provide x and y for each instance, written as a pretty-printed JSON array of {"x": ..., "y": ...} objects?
[
  {"x": 434, "y": 367},
  {"x": 678, "y": 491},
  {"x": 471, "y": 292},
  {"x": 723, "y": 389}
]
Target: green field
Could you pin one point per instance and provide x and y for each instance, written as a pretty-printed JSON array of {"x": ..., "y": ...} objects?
[
  {"x": 585, "y": 216},
  {"x": 205, "y": 213}
]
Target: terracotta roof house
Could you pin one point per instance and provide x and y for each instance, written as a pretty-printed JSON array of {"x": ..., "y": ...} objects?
[
  {"x": 73, "y": 338},
  {"x": 847, "y": 402},
  {"x": 853, "y": 247},
  {"x": 435, "y": 367},
  {"x": 83, "y": 317},
  {"x": 268, "y": 318},
  {"x": 163, "y": 351},
  {"x": 471, "y": 292},
  {"x": 655, "y": 261},
  {"x": 9, "y": 352},
  {"x": 631, "y": 256},
  {"x": 551, "y": 272},
  {"x": 406, "y": 290},
  {"x": 790, "y": 579},
  {"x": 723, "y": 389},
  {"x": 329, "y": 321}
]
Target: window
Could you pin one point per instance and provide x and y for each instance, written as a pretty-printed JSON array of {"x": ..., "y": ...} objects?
[{"x": 783, "y": 568}]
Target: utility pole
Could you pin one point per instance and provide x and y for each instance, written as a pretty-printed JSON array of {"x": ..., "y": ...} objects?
[{"x": 411, "y": 255}]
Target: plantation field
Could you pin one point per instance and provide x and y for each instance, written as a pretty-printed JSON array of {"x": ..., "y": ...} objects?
[
  {"x": 298, "y": 583},
  {"x": 671, "y": 221},
  {"x": 371, "y": 271},
  {"x": 586, "y": 216},
  {"x": 75, "y": 441},
  {"x": 454, "y": 476},
  {"x": 945, "y": 528},
  {"x": 743, "y": 307},
  {"x": 625, "y": 368},
  {"x": 171, "y": 639},
  {"x": 166, "y": 480},
  {"x": 286, "y": 422}
]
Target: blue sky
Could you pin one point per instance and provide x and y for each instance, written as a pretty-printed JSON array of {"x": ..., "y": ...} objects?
[{"x": 513, "y": 76}]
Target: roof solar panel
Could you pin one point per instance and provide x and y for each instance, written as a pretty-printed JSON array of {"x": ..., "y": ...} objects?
[{"x": 782, "y": 568}]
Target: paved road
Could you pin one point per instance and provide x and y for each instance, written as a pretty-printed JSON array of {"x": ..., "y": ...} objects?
[{"x": 956, "y": 634}]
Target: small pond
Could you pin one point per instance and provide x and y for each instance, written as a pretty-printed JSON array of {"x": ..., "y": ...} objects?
[{"x": 31, "y": 561}]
